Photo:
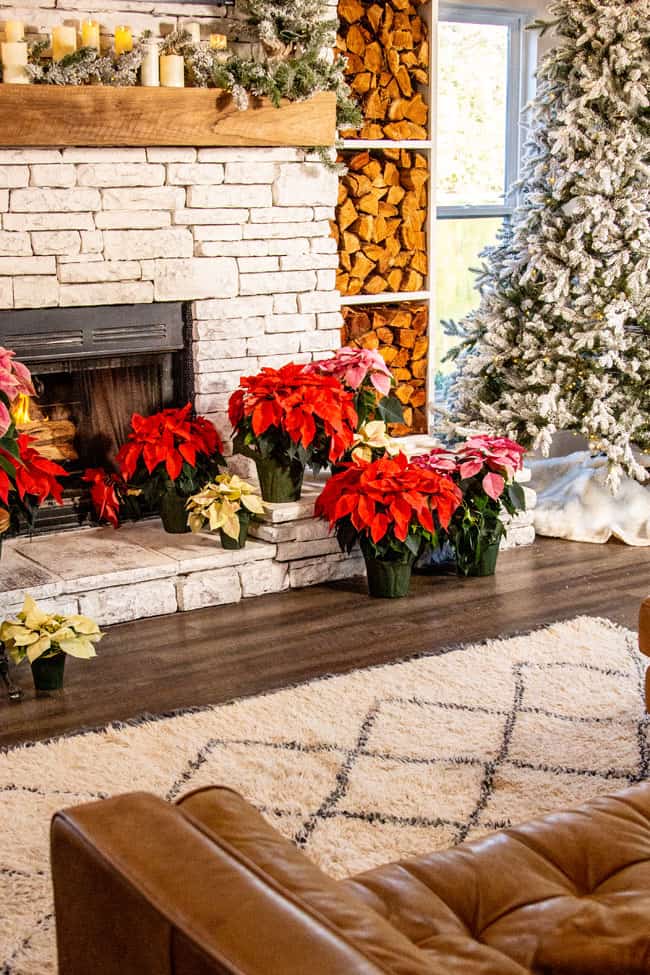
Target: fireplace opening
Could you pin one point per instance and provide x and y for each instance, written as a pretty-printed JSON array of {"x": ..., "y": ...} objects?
[{"x": 92, "y": 369}]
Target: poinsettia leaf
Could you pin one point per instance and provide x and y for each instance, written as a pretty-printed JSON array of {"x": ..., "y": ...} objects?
[
  {"x": 517, "y": 495},
  {"x": 390, "y": 410}
]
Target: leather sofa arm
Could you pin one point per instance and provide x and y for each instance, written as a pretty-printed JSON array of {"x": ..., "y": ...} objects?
[{"x": 145, "y": 888}]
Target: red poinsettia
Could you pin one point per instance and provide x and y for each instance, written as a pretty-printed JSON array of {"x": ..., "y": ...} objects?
[
  {"x": 168, "y": 439},
  {"x": 386, "y": 501},
  {"x": 290, "y": 406},
  {"x": 106, "y": 492},
  {"x": 34, "y": 475}
]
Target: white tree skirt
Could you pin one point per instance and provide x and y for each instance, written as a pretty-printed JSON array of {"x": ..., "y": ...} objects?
[{"x": 574, "y": 502}]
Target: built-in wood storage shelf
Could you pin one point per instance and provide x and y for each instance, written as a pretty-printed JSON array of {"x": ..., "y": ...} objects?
[{"x": 44, "y": 115}]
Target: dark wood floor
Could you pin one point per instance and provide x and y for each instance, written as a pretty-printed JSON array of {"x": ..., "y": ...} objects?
[{"x": 213, "y": 655}]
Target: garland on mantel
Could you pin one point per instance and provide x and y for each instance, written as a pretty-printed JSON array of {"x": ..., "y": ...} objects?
[{"x": 291, "y": 60}]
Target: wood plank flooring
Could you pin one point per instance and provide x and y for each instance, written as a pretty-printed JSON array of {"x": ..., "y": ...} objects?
[{"x": 213, "y": 655}]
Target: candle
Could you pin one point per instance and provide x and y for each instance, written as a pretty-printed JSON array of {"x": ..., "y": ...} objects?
[
  {"x": 14, "y": 63},
  {"x": 64, "y": 41},
  {"x": 150, "y": 73},
  {"x": 90, "y": 34},
  {"x": 194, "y": 31},
  {"x": 14, "y": 30},
  {"x": 172, "y": 71},
  {"x": 218, "y": 42},
  {"x": 123, "y": 40}
]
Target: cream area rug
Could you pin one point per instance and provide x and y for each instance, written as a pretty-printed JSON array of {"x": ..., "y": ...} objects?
[{"x": 358, "y": 769}]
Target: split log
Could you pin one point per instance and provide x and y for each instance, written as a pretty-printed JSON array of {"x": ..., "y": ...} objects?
[
  {"x": 399, "y": 333},
  {"x": 386, "y": 47},
  {"x": 380, "y": 223}
]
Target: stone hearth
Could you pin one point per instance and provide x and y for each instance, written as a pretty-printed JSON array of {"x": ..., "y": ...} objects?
[{"x": 141, "y": 571}]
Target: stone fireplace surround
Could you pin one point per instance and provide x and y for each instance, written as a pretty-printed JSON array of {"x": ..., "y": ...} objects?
[{"x": 243, "y": 236}]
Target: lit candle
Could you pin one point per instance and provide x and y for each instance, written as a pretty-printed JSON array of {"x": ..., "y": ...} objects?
[
  {"x": 172, "y": 71},
  {"x": 64, "y": 41},
  {"x": 14, "y": 63},
  {"x": 90, "y": 34},
  {"x": 150, "y": 73},
  {"x": 14, "y": 30},
  {"x": 194, "y": 31},
  {"x": 123, "y": 40},
  {"x": 218, "y": 42}
]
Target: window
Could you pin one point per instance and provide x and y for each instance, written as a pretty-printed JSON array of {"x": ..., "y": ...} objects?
[{"x": 481, "y": 80}]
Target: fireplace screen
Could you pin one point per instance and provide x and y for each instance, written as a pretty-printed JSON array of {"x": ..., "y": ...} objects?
[{"x": 87, "y": 390}]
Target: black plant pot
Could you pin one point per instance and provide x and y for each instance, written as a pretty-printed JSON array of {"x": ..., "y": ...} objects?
[
  {"x": 388, "y": 580},
  {"x": 475, "y": 564},
  {"x": 173, "y": 513},
  {"x": 48, "y": 672},
  {"x": 279, "y": 482},
  {"x": 235, "y": 543}
]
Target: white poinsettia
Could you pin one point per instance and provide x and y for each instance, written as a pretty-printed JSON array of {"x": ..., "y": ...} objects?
[
  {"x": 35, "y": 633},
  {"x": 220, "y": 504},
  {"x": 373, "y": 436}
]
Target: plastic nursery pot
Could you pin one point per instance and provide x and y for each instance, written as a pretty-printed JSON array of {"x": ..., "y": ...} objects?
[
  {"x": 232, "y": 543},
  {"x": 48, "y": 672},
  {"x": 388, "y": 580},
  {"x": 485, "y": 565},
  {"x": 173, "y": 513},
  {"x": 279, "y": 482}
]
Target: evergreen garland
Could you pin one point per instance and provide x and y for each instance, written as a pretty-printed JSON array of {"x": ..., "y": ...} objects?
[
  {"x": 561, "y": 339},
  {"x": 294, "y": 40}
]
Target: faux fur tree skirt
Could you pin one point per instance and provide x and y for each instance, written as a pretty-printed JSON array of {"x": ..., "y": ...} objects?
[{"x": 574, "y": 502}]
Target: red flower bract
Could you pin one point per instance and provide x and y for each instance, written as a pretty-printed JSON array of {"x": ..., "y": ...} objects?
[
  {"x": 104, "y": 487},
  {"x": 36, "y": 476},
  {"x": 388, "y": 494},
  {"x": 169, "y": 438},
  {"x": 297, "y": 403}
]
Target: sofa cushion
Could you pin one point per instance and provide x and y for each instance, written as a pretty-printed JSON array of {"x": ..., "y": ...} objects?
[{"x": 568, "y": 893}]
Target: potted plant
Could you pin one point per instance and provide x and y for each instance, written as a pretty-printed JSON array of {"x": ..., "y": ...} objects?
[
  {"x": 226, "y": 505},
  {"x": 46, "y": 639},
  {"x": 366, "y": 375},
  {"x": 391, "y": 508},
  {"x": 484, "y": 469},
  {"x": 26, "y": 478},
  {"x": 168, "y": 457},
  {"x": 287, "y": 418}
]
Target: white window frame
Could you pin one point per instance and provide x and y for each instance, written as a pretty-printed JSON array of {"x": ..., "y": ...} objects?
[{"x": 518, "y": 86}]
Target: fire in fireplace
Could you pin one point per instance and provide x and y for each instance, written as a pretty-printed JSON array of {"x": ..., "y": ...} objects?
[{"x": 92, "y": 369}]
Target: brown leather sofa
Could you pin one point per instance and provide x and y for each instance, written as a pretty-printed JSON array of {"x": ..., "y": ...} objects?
[{"x": 208, "y": 887}]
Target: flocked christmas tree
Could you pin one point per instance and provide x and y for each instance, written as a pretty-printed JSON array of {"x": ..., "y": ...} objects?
[{"x": 561, "y": 339}]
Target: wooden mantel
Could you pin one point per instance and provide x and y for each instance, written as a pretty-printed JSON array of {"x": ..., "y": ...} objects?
[{"x": 49, "y": 115}]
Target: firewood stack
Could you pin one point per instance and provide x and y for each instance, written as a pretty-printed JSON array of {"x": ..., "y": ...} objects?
[
  {"x": 387, "y": 49},
  {"x": 380, "y": 222},
  {"x": 399, "y": 332}
]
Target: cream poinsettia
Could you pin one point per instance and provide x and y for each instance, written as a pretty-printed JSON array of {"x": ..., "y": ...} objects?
[
  {"x": 373, "y": 436},
  {"x": 35, "y": 633},
  {"x": 220, "y": 503}
]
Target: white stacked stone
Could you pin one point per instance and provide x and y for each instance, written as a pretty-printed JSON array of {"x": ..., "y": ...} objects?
[{"x": 243, "y": 234}]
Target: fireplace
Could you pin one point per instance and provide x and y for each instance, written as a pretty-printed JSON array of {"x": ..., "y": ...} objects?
[{"x": 93, "y": 368}]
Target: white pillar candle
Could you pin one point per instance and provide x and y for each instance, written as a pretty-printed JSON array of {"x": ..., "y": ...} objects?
[
  {"x": 14, "y": 63},
  {"x": 64, "y": 41},
  {"x": 14, "y": 30},
  {"x": 194, "y": 31},
  {"x": 172, "y": 71},
  {"x": 150, "y": 72},
  {"x": 90, "y": 34}
]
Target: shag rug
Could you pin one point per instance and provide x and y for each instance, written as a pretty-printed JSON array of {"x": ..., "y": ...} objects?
[{"x": 359, "y": 769}]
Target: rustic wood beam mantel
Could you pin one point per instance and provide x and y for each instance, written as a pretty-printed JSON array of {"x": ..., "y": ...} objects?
[{"x": 49, "y": 115}]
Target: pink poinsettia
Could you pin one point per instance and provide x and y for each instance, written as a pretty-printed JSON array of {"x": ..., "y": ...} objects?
[
  {"x": 15, "y": 379},
  {"x": 353, "y": 366},
  {"x": 502, "y": 457},
  {"x": 440, "y": 460}
]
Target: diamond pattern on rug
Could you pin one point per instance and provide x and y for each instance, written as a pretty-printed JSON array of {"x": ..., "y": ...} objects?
[{"x": 360, "y": 769}]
